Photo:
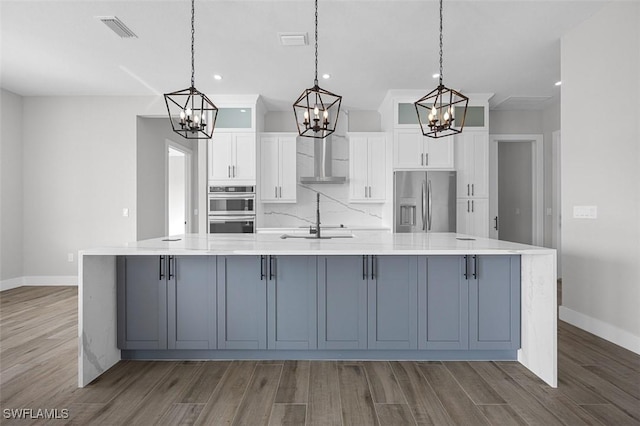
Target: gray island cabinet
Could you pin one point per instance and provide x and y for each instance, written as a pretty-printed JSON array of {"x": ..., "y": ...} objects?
[
  {"x": 369, "y": 302},
  {"x": 376, "y": 295},
  {"x": 166, "y": 302}
]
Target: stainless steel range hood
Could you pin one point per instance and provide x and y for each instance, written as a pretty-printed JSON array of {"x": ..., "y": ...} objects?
[{"x": 322, "y": 163}]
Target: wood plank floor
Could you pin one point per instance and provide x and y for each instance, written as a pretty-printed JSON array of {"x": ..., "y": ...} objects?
[{"x": 599, "y": 383}]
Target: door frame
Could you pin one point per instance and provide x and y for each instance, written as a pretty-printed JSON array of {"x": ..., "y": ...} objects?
[
  {"x": 537, "y": 181},
  {"x": 188, "y": 153},
  {"x": 556, "y": 234}
]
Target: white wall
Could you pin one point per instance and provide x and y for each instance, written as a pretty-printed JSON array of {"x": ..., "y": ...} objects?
[
  {"x": 151, "y": 174},
  {"x": 11, "y": 187},
  {"x": 551, "y": 123},
  {"x": 601, "y": 167},
  {"x": 515, "y": 200},
  {"x": 79, "y": 173},
  {"x": 544, "y": 122},
  {"x": 177, "y": 194}
]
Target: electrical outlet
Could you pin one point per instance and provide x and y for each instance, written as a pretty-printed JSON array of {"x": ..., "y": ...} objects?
[
  {"x": 69, "y": 257},
  {"x": 125, "y": 212},
  {"x": 585, "y": 212}
]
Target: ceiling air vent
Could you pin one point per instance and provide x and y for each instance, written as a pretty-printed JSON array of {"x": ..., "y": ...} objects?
[
  {"x": 117, "y": 26},
  {"x": 293, "y": 39}
]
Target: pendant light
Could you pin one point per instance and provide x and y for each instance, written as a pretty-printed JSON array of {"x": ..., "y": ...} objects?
[
  {"x": 192, "y": 114},
  {"x": 316, "y": 110},
  {"x": 442, "y": 111}
]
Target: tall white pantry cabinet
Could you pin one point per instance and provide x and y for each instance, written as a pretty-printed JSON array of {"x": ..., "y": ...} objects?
[{"x": 472, "y": 164}]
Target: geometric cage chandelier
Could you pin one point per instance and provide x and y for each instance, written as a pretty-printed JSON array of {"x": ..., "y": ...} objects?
[
  {"x": 192, "y": 114},
  {"x": 436, "y": 110},
  {"x": 316, "y": 110}
]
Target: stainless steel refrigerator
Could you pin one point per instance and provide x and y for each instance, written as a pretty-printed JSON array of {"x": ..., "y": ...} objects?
[{"x": 424, "y": 201}]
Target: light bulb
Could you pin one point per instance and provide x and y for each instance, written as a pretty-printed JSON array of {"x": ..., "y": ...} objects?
[
  {"x": 196, "y": 119},
  {"x": 430, "y": 117},
  {"x": 306, "y": 115},
  {"x": 316, "y": 111},
  {"x": 182, "y": 115},
  {"x": 326, "y": 114},
  {"x": 446, "y": 116},
  {"x": 189, "y": 112}
]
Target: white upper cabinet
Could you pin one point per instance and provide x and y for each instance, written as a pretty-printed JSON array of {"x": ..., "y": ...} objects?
[
  {"x": 367, "y": 167},
  {"x": 278, "y": 168},
  {"x": 232, "y": 159},
  {"x": 413, "y": 150},
  {"x": 472, "y": 164}
]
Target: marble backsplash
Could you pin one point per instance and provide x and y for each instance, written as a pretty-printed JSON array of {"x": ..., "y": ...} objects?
[{"x": 335, "y": 208}]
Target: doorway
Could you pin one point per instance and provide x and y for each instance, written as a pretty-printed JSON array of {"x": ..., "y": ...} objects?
[
  {"x": 516, "y": 188},
  {"x": 178, "y": 189}
]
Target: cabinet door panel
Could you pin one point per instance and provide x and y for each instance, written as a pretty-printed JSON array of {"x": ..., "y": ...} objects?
[
  {"x": 358, "y": 165},
  {"x": 142, "y": 303},
  {"x": 342, "y": 303},
  {"x": 479, "y": 217},
  {"x": 443, "y": 303},
  {"x": 463, "y": 208},
  {"x": 192, "y": 304},
  {"x": 392, "y": 309},
  {"x": 244, "y": 157},
  {"x": 408, "y": 147},
  {"x": 480, "y": 161},
  {"x": 377, "y": 173},
  {"x": 242, "y": 301},
  {"x": 292, "y": 303},
  {"x": 220, "y": 156},
  {"x": 269, "y": 168},
  {"x": 440, "y": 153},
  {"x": 288, "y": 169},
  {"x": 494, "y": 299}
]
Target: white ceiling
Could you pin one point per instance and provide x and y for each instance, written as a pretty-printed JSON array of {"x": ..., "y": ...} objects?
[{"x": 507, "y": 47}]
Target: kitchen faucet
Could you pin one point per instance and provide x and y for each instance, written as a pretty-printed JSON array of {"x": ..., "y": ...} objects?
[{"x": 317, "y": 228}]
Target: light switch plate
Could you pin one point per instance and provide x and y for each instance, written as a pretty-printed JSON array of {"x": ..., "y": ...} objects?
[
  {"x": 125, "y": 212},
  {"x": 69, "y": 257},
  {"x": 585, "y": 212}
]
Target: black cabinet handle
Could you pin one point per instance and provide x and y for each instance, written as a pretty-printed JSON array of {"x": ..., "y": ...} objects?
[
  {"x": 374, "y": 260},
  {"x": 160, "y": 273},
  {"x": 272, "y": 267},
  {"x": 364, "y": 267},
  {"x": 171, "y": 274},
  {"x": 495, "y": 220},
  {"x": 466, "y": 268},
  {"x": 262, "y": 274},
  {"x": 475, "y": 267}
]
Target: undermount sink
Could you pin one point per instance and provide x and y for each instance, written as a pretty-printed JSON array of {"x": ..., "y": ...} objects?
[{"x": 313, "y": 237}]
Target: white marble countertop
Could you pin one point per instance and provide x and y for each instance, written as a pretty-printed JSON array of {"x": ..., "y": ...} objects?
[{"x": 362, "y": 242}]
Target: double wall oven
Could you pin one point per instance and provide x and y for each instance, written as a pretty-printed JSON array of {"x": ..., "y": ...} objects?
[{"x": 232, "y": 209}]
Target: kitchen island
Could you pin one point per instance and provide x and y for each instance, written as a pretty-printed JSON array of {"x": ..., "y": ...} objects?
[{"x": 361, "y": 295}]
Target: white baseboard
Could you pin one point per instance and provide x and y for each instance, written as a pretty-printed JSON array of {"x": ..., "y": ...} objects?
[
  {"x": 11, "y": 283},
  {"x": 601, "y": 329},
  {"x": 39, "y": 280}
]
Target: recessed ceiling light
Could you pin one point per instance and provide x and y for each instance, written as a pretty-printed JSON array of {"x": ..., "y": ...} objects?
[
  {"x": 243, "y": 110},
  {"x": 326, "y": 76},
  {"x": 558, "y": 83},
  {"x": 436, "y": 75},
  {"x": 217, "y": 77},
  {"x": 293, "y": 39}
]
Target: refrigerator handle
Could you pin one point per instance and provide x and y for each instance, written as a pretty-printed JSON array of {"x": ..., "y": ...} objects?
[
  {"x": 430, "y": 204},
  {"x": 424, "y": 206}
]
